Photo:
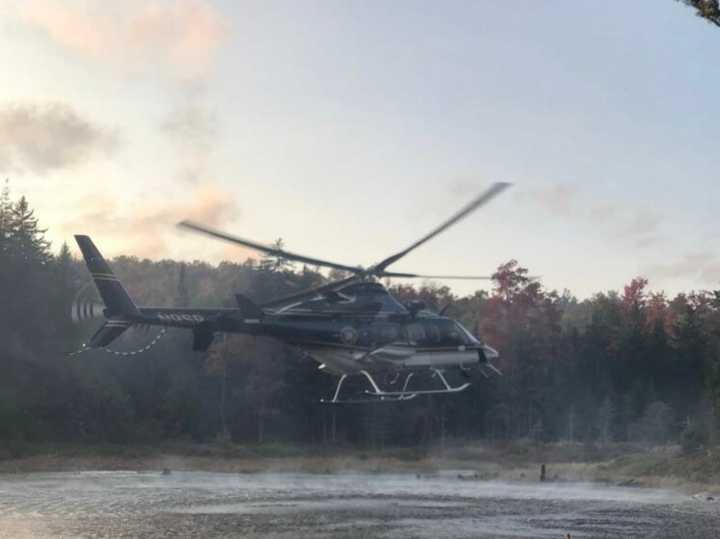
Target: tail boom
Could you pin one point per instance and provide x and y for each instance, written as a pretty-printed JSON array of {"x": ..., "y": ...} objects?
[{"x": 122, "y": 313}]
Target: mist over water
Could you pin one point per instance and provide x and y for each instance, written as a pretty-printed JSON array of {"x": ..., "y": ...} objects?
[{"x": 111, "y": 504}]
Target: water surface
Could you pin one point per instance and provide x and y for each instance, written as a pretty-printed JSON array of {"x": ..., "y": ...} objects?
[{"x": 200, "y": 504}]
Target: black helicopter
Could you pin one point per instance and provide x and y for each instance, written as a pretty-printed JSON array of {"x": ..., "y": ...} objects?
[{"x": 352, "y": 326}]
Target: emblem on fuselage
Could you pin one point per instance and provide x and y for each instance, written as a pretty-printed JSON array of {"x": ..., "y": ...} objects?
[{"x": 349, "y": 335}]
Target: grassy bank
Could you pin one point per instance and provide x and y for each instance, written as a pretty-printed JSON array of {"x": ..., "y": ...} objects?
[{"x": 615, "y": 463}]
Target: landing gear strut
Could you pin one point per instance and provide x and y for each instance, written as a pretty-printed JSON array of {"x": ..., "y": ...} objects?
[{"x": 378, "y": 395}]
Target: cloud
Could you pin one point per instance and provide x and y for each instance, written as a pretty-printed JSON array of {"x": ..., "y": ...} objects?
[
  {"x": 188, "y": 31},
  {"x": 208, "y": 204},
  {"x": 603, "y": 212},
  {"x": 148, "y": 229},
  {"x": 68, "y": 26},
  {"x": 183, "y": 35},
  {"x": 711, "y": 273},
  {"x": 192, "y": 129},
  {"x": 192, "y": 124},
  {"x": 646, "y": 242},
  {"x": 641, "y": 223},
  {"x": 638, "y": 227},
  {"x": 174, "y": 40},
  {"x": 703, "y": 267},
  {"x": 44, "y": 138},
  {"x": 560, "y": 199}
]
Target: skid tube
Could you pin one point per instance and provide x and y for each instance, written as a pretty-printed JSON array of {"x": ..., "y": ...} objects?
[
  {"x": 381, "y": 396},
  {"x": 436, "y": 372},
  {"x": 405, "y": 394}
]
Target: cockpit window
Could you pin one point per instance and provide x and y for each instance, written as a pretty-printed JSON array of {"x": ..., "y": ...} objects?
[
  {"x": 416, "y": 334},
  {"x": 432, "y": 333},
  {"x": 471, "y": 338},
  {"x": 437, "y": 332},
  {"x": 450, "y": 334}
]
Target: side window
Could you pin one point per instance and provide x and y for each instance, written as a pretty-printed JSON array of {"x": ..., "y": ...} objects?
[
  {"x": 432, "y": 334},
  {"x": 448, "y": 334},
  {"x": 416, "y": 334}
]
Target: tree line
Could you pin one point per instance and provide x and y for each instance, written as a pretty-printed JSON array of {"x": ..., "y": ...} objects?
[{"x": 629, "y": 365}]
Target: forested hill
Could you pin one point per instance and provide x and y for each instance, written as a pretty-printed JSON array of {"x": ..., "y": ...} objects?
[{"x": 620, "y": 366}]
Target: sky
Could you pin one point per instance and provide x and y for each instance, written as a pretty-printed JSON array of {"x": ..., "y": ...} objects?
[{"x": 351, "y": 128}]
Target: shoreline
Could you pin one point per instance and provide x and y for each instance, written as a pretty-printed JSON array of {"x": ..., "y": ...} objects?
[{"x": 624, "y": 466}]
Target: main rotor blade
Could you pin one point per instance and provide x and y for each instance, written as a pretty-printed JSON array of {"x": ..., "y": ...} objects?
[
  {"x": 280, "y": 253},
  {"x": 484, "y": 198},
  {"x": 417, "y": 276},
  {"x": 464, "y": 277}
]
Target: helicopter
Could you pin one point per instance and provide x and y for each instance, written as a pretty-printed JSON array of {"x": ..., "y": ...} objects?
[{"x": 351, "y": 326}]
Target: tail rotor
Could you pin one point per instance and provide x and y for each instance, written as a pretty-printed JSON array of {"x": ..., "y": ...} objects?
[{"x": 86, "y": 305}]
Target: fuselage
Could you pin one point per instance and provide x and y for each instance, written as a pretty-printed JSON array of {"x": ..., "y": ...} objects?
[
  {"x": 343, "y": 343},
  {"x": 348, "y": 326}
]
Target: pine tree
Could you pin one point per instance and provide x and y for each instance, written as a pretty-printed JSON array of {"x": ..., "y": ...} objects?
[
  {"x": 65, "y": 286},
  {"x": 5, "y": 210},
  {"x": 27, "y": 239},
  {"x": 28, "y": 279},
  {"x": 64, "y": 260},
  {"x": 183, "y": 297},
  {"x": 276, "y": 263},
  {"x": 5, "y": 269}
]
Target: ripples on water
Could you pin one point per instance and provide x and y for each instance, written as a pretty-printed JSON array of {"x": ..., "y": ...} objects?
[{"x": 349, "y": 505}]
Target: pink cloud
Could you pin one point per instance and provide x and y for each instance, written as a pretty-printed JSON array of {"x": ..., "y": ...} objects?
[
  {"x": 41, "y": 138},
  {"x": 189, "y": 32},
  {"x": 153, "y": 222},
  {"x": 183, "y": 35},
  {"x": 69, "y": 27}
]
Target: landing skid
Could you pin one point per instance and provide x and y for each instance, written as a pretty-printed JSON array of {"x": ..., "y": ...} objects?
[{"x": 405, "y": 394}]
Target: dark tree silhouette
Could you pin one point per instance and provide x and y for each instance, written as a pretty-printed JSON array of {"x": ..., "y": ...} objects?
[{"x": 707, "y": 9}]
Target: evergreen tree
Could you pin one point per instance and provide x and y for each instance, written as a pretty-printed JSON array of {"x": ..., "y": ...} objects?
[
  {"x": 5, "y": 212},
  {"x": 27, "y": 240}
]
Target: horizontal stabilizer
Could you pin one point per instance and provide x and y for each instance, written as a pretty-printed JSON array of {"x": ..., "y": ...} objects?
[{"x": 110, "y": 331}]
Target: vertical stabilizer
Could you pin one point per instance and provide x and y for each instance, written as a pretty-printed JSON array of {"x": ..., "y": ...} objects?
[{"x": 113, "y": 293}]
